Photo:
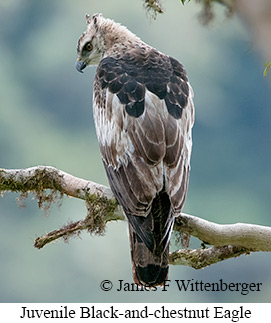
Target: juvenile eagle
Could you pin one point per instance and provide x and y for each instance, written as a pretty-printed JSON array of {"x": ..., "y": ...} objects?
[{"x": 143, "y": 113}]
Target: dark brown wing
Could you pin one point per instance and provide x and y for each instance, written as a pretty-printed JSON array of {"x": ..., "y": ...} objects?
[{"x": 129, "y": 76}]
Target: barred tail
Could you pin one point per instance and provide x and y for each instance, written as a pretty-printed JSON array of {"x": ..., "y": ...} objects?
[
  {"x": 148, "y": 269},
  {"x": 149, "y": 243}
]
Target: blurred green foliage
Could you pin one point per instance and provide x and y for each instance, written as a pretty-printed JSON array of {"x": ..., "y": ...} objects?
[
  {"x": 267, "y": 66},
  {"x": 46, "y": 118}
]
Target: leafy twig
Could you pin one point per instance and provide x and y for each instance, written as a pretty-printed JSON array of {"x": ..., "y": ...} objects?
[{"x": 267, "y": 68}]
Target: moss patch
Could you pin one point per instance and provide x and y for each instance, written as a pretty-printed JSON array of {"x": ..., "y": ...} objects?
[
  {"x": 99, "y": 210},
  {"x": 44, "y": 183}
]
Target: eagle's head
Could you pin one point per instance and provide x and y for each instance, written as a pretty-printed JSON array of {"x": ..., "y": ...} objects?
[
  {"x": 90, "y": 47},
  {"x": 103, "y": 37}
]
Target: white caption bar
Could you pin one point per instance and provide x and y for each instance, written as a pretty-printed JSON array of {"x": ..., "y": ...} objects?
[{"x": 160, "y": 312}]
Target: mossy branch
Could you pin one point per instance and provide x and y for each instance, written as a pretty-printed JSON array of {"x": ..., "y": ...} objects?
[
  {"x": 48, "y": 184},
  {"x": 206, "y": 15}
]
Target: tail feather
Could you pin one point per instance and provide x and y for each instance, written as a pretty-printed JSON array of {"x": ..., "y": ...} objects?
[
  {"x": 148, "y": 268},
  {"x": 155, "y": 275},
  {"x": 149, "y": 242}
]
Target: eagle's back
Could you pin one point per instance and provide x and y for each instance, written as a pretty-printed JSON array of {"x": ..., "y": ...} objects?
[{"x": 143, "y": 112}]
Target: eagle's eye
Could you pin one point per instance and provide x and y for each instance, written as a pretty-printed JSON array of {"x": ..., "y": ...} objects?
[{"x": 89, "y": 46}]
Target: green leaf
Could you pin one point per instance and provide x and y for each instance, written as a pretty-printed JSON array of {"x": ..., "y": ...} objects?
[
  {"x": 267, "y": 67},
  {"x": 184, "y": 1}
]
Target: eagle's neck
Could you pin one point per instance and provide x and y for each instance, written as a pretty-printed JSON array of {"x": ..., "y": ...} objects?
[{"x": 117, "y": 39}]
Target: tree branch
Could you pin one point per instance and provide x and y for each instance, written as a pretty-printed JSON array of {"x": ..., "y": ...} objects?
[
  {"x": 250, "y": 236},
  {"x": 49, "y": 183},
  {"x": 200, "y": 258}
]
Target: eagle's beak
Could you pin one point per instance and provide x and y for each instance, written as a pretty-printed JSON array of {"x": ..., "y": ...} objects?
[{"x": 80, "y": 65}]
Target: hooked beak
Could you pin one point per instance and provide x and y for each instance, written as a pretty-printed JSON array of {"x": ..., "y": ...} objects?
[{"x": 80, "y": 65}]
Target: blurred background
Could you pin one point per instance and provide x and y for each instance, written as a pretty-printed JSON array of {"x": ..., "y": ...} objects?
[{"x": 46, "y": 119}]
